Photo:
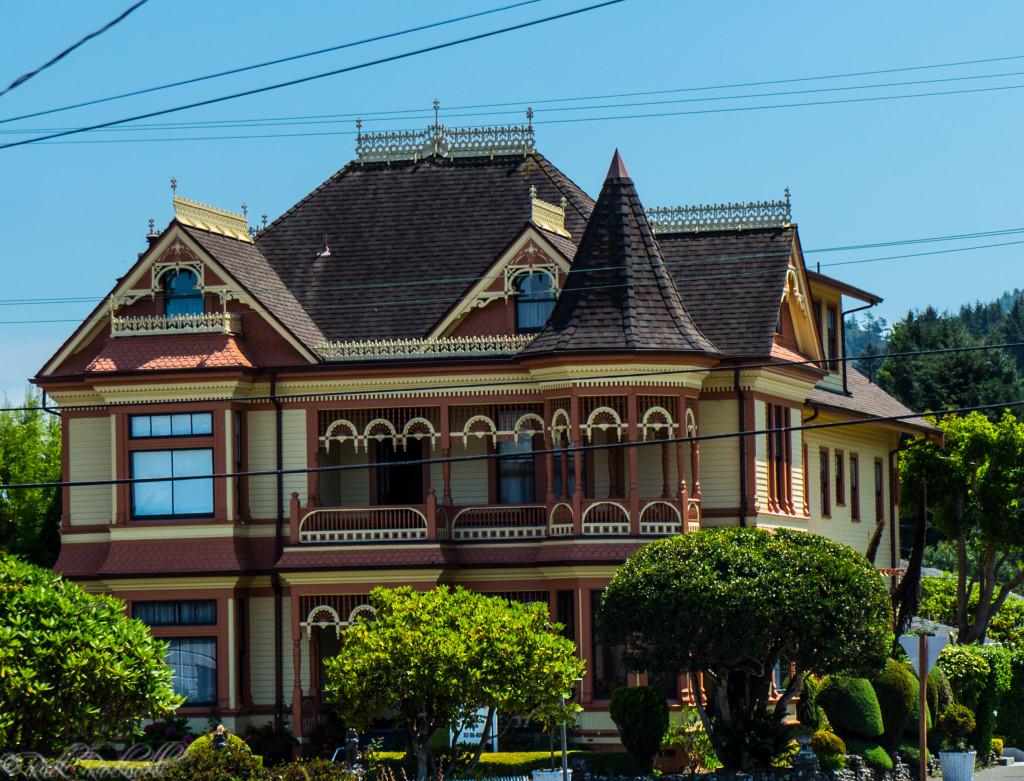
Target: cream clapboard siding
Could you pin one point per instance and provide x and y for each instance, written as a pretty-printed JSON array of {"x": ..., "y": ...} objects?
[
  {"x": 797, "y": 474},
  {"x": 602, "y": 485},
  {"x": 437, "y": 472},
  {"x": 90, "y": 440},
  {"x": 353, "y": 484},
  {"x": 649, "y": 470},
  {"x": 469, "y": 478},
  {"x": 261, "y": 650},
  {"x": 263, "y": 455},
  {"x": 867, "y": 443},
  {"x": 760, "y": 454},
  {"x": 719, "y": 458}
]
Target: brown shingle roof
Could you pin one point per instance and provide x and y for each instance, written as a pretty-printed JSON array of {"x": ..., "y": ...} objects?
[
  {"x": 408, "y": 239},
  {"x": 618, "y": 294},
  {"x": 731, "y": 283},
  {"x": 200, "y": 351},
  {"x": 866, "y": 398},
  {"x": 244, "y": 262}
]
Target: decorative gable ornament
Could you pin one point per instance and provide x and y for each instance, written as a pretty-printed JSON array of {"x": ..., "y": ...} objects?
[{"x": 440, "y": 141}]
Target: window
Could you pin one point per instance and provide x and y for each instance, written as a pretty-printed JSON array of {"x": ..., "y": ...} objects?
[
  {"x": 832, "y": 334},
  {"x": 779, "y": 459},
  {"x": 816, "y": 310},
  {"x": 182, "y": 295},
  {"x": 534, "y": 301},
  {"x": 609, "y": 672},
  {"x": 879, "y": 491},
  {"x": 399, "y": 473},
  {"x": 854, "y": 488},
  {"x": 193, "y": 660},
  {"x": 840, "y": 478},
  {"x": 193, "y": 612},
  {"x": 823, "y": 477},
  {"x": 172, "y": 498},
  {"x": 515, "y": 471},
  {"x": 565, "y": 606},
  {"x": 187, "y": 424}
]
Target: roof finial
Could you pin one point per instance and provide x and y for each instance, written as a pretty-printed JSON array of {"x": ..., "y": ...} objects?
[
  {"x": 529, "y": 116},
  {"x": 150, "y": 224},
  {"x": 437, "y": 105},
  {"x": 174, "y": 186},
  {"x": 245, "y": 210},
  {"x": 264, "y": 220},
  {"x": 359, "y": 128}
]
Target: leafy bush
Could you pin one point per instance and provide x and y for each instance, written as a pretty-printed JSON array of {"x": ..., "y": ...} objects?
[
  {"x": 940, "y": 693},
  {"x": 851, "y": 707},
  {"x": 877, "y": 758},
  {"x": 315, "y": 769},
  {"x": 938, "y": 603},
  {"x": 808, "y": 712},
  {"x": 967, "y": 671},
  {"x": 641, "y": 715},
  {"x": 274, "y": 745},
  {"x": 832, "y": 762},
  {"x": 173, "y": 729},
  {"x": 895, "y": 689},
  {"x": 827, "y": 743},
  {"x": 1010, "y": 721},
  {"x": 689, "y": 736},
  {"x": 958, "y": 722},
  {"x": 910, "y": 753},
  {"x": 206, "y": 742},
  {"x": 202, "y": 762},
  {"x": 997, "y": 747}
]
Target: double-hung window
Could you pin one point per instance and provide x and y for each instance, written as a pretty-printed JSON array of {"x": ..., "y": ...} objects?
[
  {"x": 192, "y": 659},
  {"x": 170, "y": 466}
]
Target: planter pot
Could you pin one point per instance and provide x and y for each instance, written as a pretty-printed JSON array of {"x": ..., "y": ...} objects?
[
  {"x": 957, "y": 765},
  {"x": 549, "y": 775}
]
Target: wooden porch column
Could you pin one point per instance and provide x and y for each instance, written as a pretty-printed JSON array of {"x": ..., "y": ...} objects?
[
  {"x": 297, "y": 685},
  {"x": 634, "y": 475},
  {"x": 294, "y": 511},
  {"x": 577, "y": 458},
  {"x": 431, "y": 514},
  {"x": 695, "y": 461},
  {"x": 446, "y": 452},
  {"x": 549, "y": 468},
  {"x": 666, "y": 468},
  {"x": 563, "y": 443}
]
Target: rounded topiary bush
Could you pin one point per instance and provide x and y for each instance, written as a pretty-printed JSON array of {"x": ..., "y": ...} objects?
[
  {"x": 877, "y": 758},
  {"x": 641, "y": 715},
  {"x": 895, "y": 689},
  {"x": 827, "y": 744},
  {"x": 851, "y": 707},
  {"x": 807, "y": 711},
  {"x": 204, "y": 763},
  {"x": 206, "y": 742}
]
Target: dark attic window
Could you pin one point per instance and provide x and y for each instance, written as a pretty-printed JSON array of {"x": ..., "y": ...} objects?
[
  {"x": 534, "y": 301},
  {"x": 182, "y": 295}
]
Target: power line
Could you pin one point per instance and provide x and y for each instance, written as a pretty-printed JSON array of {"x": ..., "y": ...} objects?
[
  {"x": 306, "y": 79},
  {"x": 243, "y": 69},
  {"x": 508, "y": 383},
  {"x": 25, "y": 77},
  {"x": 570, "y": 450}
]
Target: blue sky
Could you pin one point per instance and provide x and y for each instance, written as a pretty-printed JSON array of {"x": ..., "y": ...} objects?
[{"x": 74, "y": 212}]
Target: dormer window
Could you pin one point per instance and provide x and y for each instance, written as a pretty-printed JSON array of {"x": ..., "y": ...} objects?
[
  {"x": 182, "y": 295},
  {"x": 535, "y": 298}
]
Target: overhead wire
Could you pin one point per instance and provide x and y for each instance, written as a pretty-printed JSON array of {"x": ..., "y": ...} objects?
[
  {"x": 570, "y": 450},
  {"x": 279, "y": 61},
  {"x": 317, "y": 76}
]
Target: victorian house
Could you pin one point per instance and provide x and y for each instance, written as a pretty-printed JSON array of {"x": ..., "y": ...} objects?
[{"x": 449, "y": 365}]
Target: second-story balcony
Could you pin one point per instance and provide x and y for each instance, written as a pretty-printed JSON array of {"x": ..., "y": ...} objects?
[{"x": 163, "y": 325}]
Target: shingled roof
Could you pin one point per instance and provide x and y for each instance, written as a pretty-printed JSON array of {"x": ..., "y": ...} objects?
[
  {"x": 731, "y": 283},
  {"x": 618, "y": 294},
  {"x": 407, "y": 239}
]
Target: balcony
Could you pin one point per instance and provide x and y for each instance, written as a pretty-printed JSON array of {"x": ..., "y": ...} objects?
[
  {"x": 163, "y": 325},
  {"x": 484, "y": 523}
]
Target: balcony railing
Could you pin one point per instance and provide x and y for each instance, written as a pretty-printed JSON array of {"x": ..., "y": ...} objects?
[
  {"x": 161, "y": 325},
  {"x": 445, "y": 523}
]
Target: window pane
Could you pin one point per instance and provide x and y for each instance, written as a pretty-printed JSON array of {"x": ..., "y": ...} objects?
[
  {"x": 194, "y": 662},
  {"x": 515, "y": 471},
  {"x": 193, "y": 497},
  {"x": 156, "y": 613},
  {"x": 202, "y": 423},
  {"x": 140, "y": 426},
  {"x": 181, "y": 425},
  {"x": 161, "y": 425},
  {"x": 151, "y": 498}
]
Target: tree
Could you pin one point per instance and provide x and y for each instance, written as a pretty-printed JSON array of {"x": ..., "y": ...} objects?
[
  {"x": 437, "y": 657},
  {"x": 939, "y": 381},
  {"x": 30, "y": 453},
  {"x": 975, "y": 496},
  {"x": 73, "y": 667},
  {"x": 734, "y": 603},
  {"x": 641, "y": 715}
]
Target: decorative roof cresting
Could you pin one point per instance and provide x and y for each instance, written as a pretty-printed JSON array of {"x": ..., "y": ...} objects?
[
  {"x": 444, "y": 347},
  {"x": 440, "y": 141},
  {"x": 721, "y": 216},
  {"x": 208, "y": 218}
]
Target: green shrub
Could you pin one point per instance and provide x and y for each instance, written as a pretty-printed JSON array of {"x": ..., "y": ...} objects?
[
  {"x": 851, "y": 707},
  {"x": 877, "y": 758},
  {"x": 112, "y": 770},
  {"x": 206, "y": 742},
  {"x": 688, "y": 735},
  {"x": 827, "y": 743},
  {"x": 958, "y": 722},
  {"x": 895, "y": 688},
  {"x": 274, "y": 745},
  {"x": 315, "y": 769},
  {"x": 996, "y": 686},
  {"x": 204, "y": 763},
  {"x": 1010, "y": 721},
  {"x": 785, "y": 757},
  {"x": 997, "y": 747},
  {"x": 808, "y": 711},
  {"x": 832, "y": 762},
  {"x": 910, "y": 753},
  {"x": 940, "y": 693},
  {"x": 967, "y": 670},
  {"x": 641, "y": 715}
]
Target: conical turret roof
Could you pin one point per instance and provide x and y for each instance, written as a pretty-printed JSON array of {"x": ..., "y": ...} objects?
[{"x": 618, "y": 295}]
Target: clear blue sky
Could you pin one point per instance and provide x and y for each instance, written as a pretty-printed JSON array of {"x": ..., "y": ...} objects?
[{"x": 73, "y": 213}]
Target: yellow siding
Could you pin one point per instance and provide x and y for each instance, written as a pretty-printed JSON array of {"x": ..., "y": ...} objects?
[
  {"x": 760, "y": 454},
  {"x": 261, "y": 649},
  {"x": 353, "y": 484},
  {"x": 263, "y": 455},
  {"x": 719, "y": 458},
  {"x": 797, "y": 476},
  {"x": 90, "y": 459},
  {"x": 469, "y": 478},
  {"x": 602, "y": 485},
  {"x": 649, "y": 468},
  {"x": 437, "y": 473}
]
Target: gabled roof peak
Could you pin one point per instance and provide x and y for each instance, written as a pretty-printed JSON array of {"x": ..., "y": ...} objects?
[{"x": 617, "y": 170}]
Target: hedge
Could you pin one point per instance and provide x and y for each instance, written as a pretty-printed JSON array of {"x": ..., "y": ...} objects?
[
  {"x": 1011, "y": 709},
  {"x": 520, "y": 763},
  {"x": 851, "y": 707},
  {"x": 895, "y": 688}
]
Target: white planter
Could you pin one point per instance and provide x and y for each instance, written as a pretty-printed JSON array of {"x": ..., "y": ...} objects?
[
  {"x": 548, "y": 775},
  {"x": 957, "y": 765}
]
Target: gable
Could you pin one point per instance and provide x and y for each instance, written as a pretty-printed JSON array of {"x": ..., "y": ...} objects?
[
  {"x": 796, "y": 307},
  {"x": 132, "y": 310},
  {"x": 488, "y": 306}
]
